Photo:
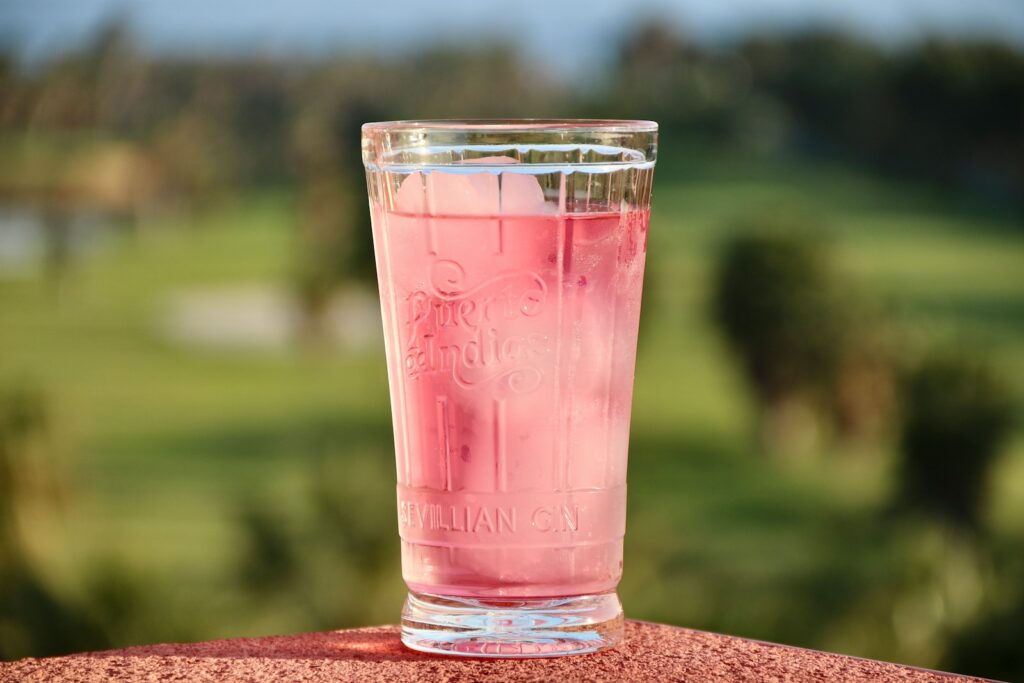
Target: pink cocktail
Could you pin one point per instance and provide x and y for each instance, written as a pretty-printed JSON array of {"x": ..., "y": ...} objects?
[{"x": 510, "y": 259}]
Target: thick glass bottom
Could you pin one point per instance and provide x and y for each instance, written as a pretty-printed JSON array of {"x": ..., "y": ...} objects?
[{"x": 532, "y": 627}]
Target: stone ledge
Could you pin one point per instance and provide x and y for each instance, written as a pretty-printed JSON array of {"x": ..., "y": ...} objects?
[{"x": 652, "y": 652}]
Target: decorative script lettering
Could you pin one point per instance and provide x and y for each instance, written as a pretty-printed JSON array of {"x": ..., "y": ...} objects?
[{"x": 464, "y": 331}]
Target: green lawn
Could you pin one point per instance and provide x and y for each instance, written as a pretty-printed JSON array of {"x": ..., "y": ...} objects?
[{"x": 164, "y": 448}]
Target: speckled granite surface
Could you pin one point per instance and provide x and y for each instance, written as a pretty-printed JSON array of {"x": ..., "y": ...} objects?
[{"x": 652, "y": 652}]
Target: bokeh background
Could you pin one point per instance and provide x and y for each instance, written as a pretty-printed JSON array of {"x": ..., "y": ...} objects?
[{"x": 827, "y": 441}]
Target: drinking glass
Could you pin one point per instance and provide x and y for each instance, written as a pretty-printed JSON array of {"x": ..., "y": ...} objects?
[{"x": 510, "y": 258}]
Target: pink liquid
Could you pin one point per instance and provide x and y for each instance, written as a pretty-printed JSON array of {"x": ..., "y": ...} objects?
[{"x": 511, "y": 346}]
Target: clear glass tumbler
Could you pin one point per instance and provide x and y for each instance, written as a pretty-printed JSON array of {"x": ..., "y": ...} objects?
[{"x": 510, "y": 257}]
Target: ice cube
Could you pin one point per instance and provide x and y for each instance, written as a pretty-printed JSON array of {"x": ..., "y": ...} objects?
[
  {"x": 447, "y": 194},
  {"x": 442, "y": 193},
  {"x": 521, "y": 195}
]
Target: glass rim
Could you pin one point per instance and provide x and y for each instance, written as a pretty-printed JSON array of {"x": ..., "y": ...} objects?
[
  {"x": 601, "y": 145},
  {"x": 512, "y": 126}
]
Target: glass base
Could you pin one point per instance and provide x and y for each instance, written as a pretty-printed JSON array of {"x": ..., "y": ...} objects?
[{"x": 530, "y": 627}]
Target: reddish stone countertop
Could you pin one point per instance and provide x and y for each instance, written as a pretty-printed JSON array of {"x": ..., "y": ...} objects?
[{"x": 652, "y": 652}]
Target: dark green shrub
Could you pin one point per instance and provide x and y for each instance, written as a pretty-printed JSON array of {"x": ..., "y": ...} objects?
[
  {"x": 780, "y": 310},
  {"x": 956, "y": 412},
  {"x": 34, "y": 619},
  {"x": 816, "y": 358},
  {"x": 991, "y": 647}
]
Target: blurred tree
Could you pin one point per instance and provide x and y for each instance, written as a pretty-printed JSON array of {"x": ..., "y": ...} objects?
[
  {"x": 12, "y": 92},
  {"x": 485, "y": 81},
  {"x": 942, "y": 110},
  {"x": 662, "y": 75},
  {"x": 814, "y": 355},
  {"x": 954, "y": 114},
  {"x": 991, "y": 647},
  {"x": 34, "y": 620},
  {"x": 324, "y": 250},
  {"x": 862, "y": 390},
  {"x": 956, "y": 413},
  {"x": 947, "y": 111},
  {"x": 779, "y": 307},
  {"x": 57, "y": 231},
  {"x": 335, "y": 243},
  {"x": 110, "y": 605},
  {"x": 332, "y": 558},
  {"x": 827, "y": 80},
  {"x": 931, "y": 582},
  {"x": 269, "y": 561}
]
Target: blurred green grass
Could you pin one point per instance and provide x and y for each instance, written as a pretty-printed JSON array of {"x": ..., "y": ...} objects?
[{"x": 162, "y": 444}]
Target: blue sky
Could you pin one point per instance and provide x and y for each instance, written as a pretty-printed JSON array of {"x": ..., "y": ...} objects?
[{"x": 566, "y": 33}]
